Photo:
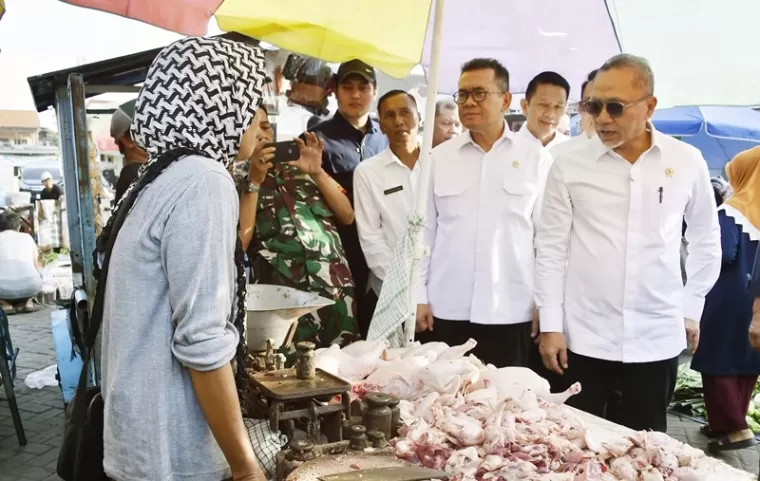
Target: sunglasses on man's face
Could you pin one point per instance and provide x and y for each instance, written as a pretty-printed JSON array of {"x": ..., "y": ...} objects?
[{"x": 614, "y": 108}]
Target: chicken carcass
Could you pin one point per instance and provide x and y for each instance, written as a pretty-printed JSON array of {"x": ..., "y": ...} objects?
[
  {"x": 512, "y": 381},
  {"x": 352, "y": 369},
  {"x": 361, "y": 348},
  {"x": 457, "y": 352},
  {"x": 404, "y": 368}
]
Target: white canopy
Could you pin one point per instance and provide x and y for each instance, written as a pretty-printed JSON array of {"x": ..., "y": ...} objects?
[{"x": 703, "y": 52}]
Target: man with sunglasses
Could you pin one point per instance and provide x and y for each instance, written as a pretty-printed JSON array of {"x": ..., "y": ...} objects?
[
  {"x": 484, "y": 191},
  {"x": 614, "y": 312}
]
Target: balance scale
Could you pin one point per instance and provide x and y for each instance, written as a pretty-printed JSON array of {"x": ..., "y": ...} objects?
[{"x": 326, "y": 440}]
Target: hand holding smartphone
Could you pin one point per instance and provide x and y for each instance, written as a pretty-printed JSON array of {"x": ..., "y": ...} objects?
[{"x": 287, "y": 151}]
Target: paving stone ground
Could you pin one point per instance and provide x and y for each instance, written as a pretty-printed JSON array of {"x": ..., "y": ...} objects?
[
  {"x": 41, "y": 409},
  {"x": 42, "y": 412}
]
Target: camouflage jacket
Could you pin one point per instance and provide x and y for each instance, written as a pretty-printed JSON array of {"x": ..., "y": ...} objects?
[{"x": 295, "y": 231}]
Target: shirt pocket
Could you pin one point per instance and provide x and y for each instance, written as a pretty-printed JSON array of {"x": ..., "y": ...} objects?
[
  {"x": 668, "y": 203},
  {"x": 518, "y": 196},
  {"x": 449, "y": 193}
]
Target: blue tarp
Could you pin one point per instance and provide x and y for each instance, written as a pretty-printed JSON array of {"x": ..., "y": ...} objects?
[{"x": 718, "y": 132}]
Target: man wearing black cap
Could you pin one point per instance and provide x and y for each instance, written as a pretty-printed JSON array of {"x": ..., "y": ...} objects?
[
  {"x": 350, "y": 136},
  {"x": 134, "y": 156}
]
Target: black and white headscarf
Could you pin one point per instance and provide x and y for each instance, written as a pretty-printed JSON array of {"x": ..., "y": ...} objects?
[{"x": 201, "y": 94}]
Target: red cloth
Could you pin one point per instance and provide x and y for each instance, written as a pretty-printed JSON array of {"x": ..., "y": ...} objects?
[{"x": 726, "y": 401}]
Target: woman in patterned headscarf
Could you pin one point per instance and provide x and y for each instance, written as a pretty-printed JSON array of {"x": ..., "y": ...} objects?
[
  {"x": 171, "y": 407},
  {"x": 725, "y": 358}
]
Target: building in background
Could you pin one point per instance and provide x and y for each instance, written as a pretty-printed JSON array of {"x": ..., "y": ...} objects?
[{"x": 22, "y": 135}]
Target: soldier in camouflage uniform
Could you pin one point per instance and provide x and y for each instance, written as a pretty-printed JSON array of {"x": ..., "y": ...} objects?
[{"x": 295, "y": 244}]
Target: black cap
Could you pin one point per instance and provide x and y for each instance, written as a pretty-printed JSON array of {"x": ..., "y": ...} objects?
[{"x": 356, "y": 67}]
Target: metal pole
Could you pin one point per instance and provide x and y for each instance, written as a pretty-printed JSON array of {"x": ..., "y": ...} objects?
[
  {"x": 72, "y": 126},
  {"x": 70, "y": 181},
  {"x": 425, "y": 161},
  {"x": 84, "y": 189}
]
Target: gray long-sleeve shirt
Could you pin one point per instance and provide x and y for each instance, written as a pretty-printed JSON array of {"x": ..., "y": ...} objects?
[{"x": 169, "y": 296}]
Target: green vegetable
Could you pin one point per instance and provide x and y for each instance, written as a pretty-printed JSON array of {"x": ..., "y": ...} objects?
[
  {"x": 688, "y": 397},
  {"x": 753, "y": 425}
]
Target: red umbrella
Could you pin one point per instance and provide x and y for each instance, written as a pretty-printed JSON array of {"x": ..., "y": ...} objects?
[{"x": 188, "y": 17}]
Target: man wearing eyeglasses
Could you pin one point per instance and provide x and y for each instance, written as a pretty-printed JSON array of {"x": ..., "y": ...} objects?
[
  {"x": 544, "y": 105},
  {"x": 614, "y": 312},
  {"x": 484, "y": 191}
]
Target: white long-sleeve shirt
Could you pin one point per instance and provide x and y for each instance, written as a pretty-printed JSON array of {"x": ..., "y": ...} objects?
[
  {"x": 480, "y": 228},
  {"x": 384, "y": 196},
  {"x": 608, "y": 249}
]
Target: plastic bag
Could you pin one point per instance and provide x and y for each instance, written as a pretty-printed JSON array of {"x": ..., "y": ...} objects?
[{"x": 40, "y": 379}]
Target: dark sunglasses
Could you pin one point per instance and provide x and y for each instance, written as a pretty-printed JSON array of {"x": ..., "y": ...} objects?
[{"x": 614, "y": 108}]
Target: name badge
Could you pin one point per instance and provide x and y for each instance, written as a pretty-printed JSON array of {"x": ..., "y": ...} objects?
[{"x": 393, "y": 190}]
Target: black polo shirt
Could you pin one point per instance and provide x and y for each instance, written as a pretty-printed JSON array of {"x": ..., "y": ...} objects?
[
  {"x": 346, "y": 146},
  {"x": 54, "y": 193}
]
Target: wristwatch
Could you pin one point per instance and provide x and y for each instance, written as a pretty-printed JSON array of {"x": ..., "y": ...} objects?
[{"x": 252, "y": 188}]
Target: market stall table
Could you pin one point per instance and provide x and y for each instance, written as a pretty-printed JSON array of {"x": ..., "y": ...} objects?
[{"x": 608, "y": 430}]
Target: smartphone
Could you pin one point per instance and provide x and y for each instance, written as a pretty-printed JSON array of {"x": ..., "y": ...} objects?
[{"x": 285, "y": 151}]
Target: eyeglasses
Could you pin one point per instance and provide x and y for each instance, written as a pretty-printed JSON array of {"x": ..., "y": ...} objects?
[
  {"x": 477, "y": 95},
  {"x": 614, "y": 108}
]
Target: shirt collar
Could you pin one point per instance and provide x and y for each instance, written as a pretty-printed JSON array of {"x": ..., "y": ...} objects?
[
  {"x": 599, "y": 149},
  {"x": 558, "y": 136},
  {"x": 390, "y": 158},
  {"x": 371, "y": 124},
  {"x": 466, "y": 138}
]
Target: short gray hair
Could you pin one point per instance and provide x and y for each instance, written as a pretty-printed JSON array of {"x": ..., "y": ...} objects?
[
  {"x": 640, "y": 65},
  {"x": 444, "y": 105}
]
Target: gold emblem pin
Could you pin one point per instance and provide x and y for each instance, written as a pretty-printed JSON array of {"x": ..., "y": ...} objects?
[
  {"x": 516, "y": 164},
  {"x": 668, "y": 172}
]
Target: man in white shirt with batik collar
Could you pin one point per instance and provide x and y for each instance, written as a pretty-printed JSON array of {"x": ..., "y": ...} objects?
[
  {"x": 385, "y": 186},
  {"x": 484, "y": 195},
  {"x": 614, "y": 312},
  {"x": 544, "y": 105}
]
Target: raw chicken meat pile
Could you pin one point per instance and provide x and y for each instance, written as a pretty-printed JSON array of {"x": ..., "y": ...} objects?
[{"x": 483, "y": 423}]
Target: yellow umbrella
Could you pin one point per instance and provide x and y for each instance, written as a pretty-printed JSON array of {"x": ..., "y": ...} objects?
[{"x": 388, "y": 35}]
